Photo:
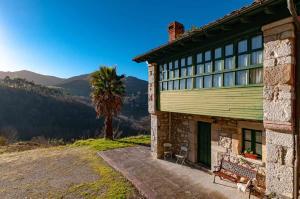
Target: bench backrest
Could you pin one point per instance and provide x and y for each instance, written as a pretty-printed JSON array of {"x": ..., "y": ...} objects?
[{"x": 238, "y": 169}]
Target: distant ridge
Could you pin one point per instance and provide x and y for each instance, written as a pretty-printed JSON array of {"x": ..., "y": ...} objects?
[{"x": 44, "y": 80}]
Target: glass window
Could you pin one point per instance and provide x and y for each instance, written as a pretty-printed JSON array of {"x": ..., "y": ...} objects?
[
  {"x": 218, "y": 80},
  {"x": 182, "y": 84},
  {"x": 170, "y": 85},
  {"x": 176, "y": 75},
  {"x": 218, "y": 65},
  {"x": 242, "y": 46},
  {"x": 176, "y": 85},
  {"x": 229, "y": 50},
  {"x": 200, "y": 69},
  {"x": 218, "y": 53},
  {"x": 171, "y": 74},
  {"x": 243, "y": 61},
  {"x": 208, "y": 67},
  {"x": 160, "y": 86},
  {"x": 189, "y": 71},
  {"x": 257, "y": 57},
  {"x": 189, "y": 60},
  {"x": 199, "y": 82},
  {"x": 256, "y": 42},
  {"x": 207, "y": 55},
  {"x": 208, "y": 81},
  {"x": 189, "y": 83},
  {"x": 176, "y": 64},
  {"x": 182, "y": 62},
  {"x": 183, "y": 72},
  {"x": 165, "y": 85},
  {"x": 165, "y": 67},
  {"x": 165, "y": 75},
  {"x": 229, "y": 79},
  {"x": 161, "y": 68},
  {"x": 256, "y": 76},
  {"x": 170, "y": 65},
  {"x": 199, "y": 58},
  {"x": 242, "y": 77},
  {"x": 229, "y": 63},
  {"x": 252, "y": 141}
]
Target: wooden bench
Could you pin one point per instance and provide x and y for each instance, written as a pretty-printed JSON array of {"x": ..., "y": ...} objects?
[{"x": 233, "y": 172}]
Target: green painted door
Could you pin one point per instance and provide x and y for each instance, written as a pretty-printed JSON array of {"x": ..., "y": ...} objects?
[{"x": 204, "y": 144}]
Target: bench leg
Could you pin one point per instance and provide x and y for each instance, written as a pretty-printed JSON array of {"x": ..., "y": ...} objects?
[
  {"x": 214, "y": 179},
  {"x": 250, "y": 190}
]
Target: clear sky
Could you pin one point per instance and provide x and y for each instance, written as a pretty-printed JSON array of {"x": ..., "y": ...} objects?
[{"x": 72, "y": 37}]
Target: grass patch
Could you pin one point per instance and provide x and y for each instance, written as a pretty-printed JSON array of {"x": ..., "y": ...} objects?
[
  {"x": 103, "y": 144},
  {"x": 110, "y": 185}
]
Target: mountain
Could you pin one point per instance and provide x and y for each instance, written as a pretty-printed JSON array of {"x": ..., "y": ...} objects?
[
  {"x": 32, "y": 110},
  {"x": 44, "y": 80}
]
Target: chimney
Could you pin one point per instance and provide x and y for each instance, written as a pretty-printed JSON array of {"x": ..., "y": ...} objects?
[{"x": 175, "y": 30}]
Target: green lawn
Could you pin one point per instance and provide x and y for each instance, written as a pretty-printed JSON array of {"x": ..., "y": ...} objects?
[{"x": 103, "y": 144}]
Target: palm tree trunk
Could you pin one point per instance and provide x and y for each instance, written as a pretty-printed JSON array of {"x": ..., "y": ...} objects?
[{"x": 108, "y": 128}]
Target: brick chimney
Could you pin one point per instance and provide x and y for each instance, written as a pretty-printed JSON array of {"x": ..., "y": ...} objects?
[{"x": 175, "y": 30}]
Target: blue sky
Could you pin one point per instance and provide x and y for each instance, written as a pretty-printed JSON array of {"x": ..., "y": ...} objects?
[{"x": 71, "y": 37}]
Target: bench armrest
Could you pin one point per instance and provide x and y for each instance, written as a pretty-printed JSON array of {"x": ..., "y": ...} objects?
[{"x": 217, "y": 168}]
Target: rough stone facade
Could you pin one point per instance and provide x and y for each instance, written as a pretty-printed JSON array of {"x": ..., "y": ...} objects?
[{"x": 279, "y": 85}]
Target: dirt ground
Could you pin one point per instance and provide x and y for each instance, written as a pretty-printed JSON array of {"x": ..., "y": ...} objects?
[{"x": 53, "y": 173}]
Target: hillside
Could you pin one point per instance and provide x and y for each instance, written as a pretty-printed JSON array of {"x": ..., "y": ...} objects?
[
  {"x": 45, "y": 80},
  {"x": 28, "y": 110}
]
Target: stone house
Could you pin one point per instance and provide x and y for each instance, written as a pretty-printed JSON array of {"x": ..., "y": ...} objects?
[{"x": 229, "y": 87}]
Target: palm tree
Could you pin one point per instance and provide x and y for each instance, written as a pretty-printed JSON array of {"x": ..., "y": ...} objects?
[{"x": 107, "y": 95}]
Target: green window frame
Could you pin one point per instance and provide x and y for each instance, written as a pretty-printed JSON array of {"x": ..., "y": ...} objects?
[
  {"x": 252, "y": 140},
  {"x": 235, "y": 63}
]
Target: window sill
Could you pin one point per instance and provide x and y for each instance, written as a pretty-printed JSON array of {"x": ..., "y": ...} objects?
[{"x": 256, "y": 162}]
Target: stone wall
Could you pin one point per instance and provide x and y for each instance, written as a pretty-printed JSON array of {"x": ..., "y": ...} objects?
[
  {"x": 279, "y": 64},
  {"x": 159, "y": 133}
]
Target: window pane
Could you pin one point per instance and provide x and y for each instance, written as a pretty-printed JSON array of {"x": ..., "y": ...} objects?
[
  {"x": 247, "y": 134},
  {"x": 242, "y": 46},
  {"x": 182, "y": 62},
  {"x": 160, "y": 86},
  {"x": 248, "y": 145},
  {"x": 171, "y": 73},
  {"x": 241, "y": 77},
  {"x": 200, "y": 69},
  {"x": 182, "y": 84},
  {"x": 199, "y": 58},
  {"x": 258, "y": 136},
  {"x": 229, "y": 63},
  {"x": 256, "y": 76},
  {"x": 170, "y": 65},
  {"x": 176, "y": 84},
  {"x": 165, "y": 75},
  {"x": 207, "y": 81},
  {"x": 207, "y": 55},
  {"x": 217, "y": 80},
  {"x": 229, "y": 50},
  {"x": 218, "y": 65},
  {"x": 189, "y": 71},
  {"x": 189, "y": 83},
  {"x": 189, "y": 60},
  {"x": 258, "y": 149},
  {"x": 183, "y": 72},
  {"x": 161, "y": 68},
  {"x": 257, "y": 57},
  {"x": 218, "y": 53},
  {"x": 170, "y": 85},
  {"x": 256, "y": 42},
  {"x": 176, "y": 64},
  {"x": 160, "y": 76},
  {"x": 229, "y": 79},
  {"x": 176, "y": 75},
  {"x": 243, "y": 61},
  {"x": 208, "y": 67},
  {"x": 165, "y": 85},
  {"x": 165, "y": 67},
  {"x": 199, "y": 82}
]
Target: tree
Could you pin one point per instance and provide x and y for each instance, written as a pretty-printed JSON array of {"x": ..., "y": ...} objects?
[{"x": 107, "y": 92}]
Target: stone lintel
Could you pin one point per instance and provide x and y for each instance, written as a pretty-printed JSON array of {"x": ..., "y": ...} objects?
[{"x": 286, "y": 127}]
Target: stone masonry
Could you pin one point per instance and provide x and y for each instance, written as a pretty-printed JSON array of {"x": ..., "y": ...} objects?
[{"x": 279, "y": 63}]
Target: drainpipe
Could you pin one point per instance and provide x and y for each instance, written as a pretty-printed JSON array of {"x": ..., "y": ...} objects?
[{"x": 292, "y": 8}]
